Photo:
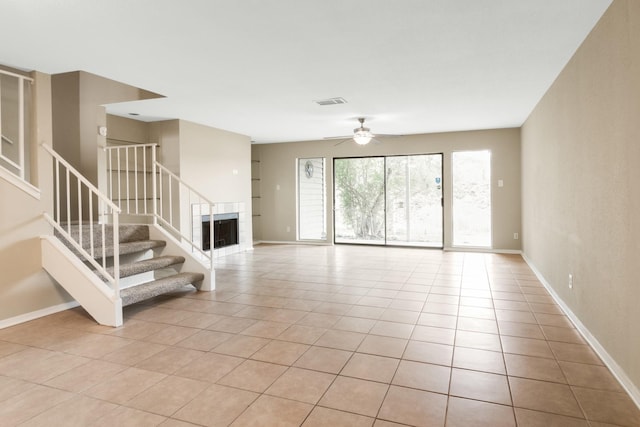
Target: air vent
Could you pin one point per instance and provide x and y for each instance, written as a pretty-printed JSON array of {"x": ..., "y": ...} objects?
[{"x": 331, "y": 101}]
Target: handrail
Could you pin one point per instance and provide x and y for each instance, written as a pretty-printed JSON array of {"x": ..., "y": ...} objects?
[
  {"x": 20, "y": 76},
  {"x": 84, "y": 180},
  {"x": 203, "y": 201},
  {"x": 177, "y": 178},
  {"x": 130, "y": 188},
  {"x": 80, "y": 212},
  {"x": 19, "y": 163},
  {"x": 9, "y": 140}
]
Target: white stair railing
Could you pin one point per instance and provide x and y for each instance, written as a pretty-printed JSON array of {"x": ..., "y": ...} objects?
[
  {"x": 139, "y": 185},
  {"x": 77, "y": 206},
  {"x": 130, "y": 180},
  {"x": 12, "y": 135}
]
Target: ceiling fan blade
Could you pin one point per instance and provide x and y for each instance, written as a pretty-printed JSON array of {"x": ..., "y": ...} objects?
[
  {"x": 338, "y": 137},
  {"x": 341, "y": 142},
  {"x": 387, "y": 135}
]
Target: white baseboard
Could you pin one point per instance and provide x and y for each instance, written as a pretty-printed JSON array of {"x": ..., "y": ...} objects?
[
  {"x": 12, "y": 321},
  {"x": 288, "y": 242},
  {"x": 613, "y": 366},
  {"x": 482, "y": 250},
  {"x": 446, "y": 249}
]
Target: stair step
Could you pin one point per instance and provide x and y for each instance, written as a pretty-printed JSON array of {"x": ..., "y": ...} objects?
[
  {"x": 133, "y": 247},
  {"x": 146, "y": 265},
  {"x": 154, "y": 288},
  {"x": 133, "y": 238},
  {"x": 126, "y": 233}
]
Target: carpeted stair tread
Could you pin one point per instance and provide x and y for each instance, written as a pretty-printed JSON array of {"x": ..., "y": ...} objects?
[
  {"x": 132, "y": 247},
  {"x": 154, "y": 288},
  {"x": 126, "y": 233},
  {"x": 146, "y": 265},
  {"x": 133, "y": 238}
]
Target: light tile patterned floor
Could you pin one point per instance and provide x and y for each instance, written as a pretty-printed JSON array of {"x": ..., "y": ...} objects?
[{"x": 321, "y": 336}]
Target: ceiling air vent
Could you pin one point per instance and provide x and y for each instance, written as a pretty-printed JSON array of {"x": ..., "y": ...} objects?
[{"x": 330, "y": 101}]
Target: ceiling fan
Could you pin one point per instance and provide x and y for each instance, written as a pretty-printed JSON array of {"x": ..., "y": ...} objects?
[{"x": 361, "y": 135}]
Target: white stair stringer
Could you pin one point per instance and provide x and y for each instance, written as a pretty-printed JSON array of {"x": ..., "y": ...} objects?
[
  {"x": 192, "y": 263},
  {"x": 96, "y": 297}
]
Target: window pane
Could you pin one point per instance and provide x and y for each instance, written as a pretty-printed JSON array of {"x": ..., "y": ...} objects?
[
  {"x": 311, "y": 199},
  {"x": 472, "y": 198},
  {"x": 359, "y": 200},
  {"x": 414, "y": 200}
]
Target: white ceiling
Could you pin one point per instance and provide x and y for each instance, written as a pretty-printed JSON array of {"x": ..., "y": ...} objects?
[{"x": 255, "y": 66}]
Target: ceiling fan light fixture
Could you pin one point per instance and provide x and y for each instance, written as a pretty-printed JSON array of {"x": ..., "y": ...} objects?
[{"x": 362, "y": 137}]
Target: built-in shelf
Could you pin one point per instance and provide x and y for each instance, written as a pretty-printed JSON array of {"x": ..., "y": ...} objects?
[{"x": 255, "y": 189}]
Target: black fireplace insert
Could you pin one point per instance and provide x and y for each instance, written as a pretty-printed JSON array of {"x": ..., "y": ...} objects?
[{"x": 225, "y": 230}]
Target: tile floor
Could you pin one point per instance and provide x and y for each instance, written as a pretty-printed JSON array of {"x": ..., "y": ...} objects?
[{"x": 320, "y": 336}]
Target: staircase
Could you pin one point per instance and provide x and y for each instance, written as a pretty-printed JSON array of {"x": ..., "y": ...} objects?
[
  {"x": 147, "y": 271},
  {"x": 105, "y": 265},
  {"x": 102, "y": 264}
]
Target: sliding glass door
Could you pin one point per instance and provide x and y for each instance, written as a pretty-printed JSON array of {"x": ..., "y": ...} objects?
[
  {"x": 394, "y": 200},
  {"x": 359, "y": 202},
  {"x": 414, "y": 200}
]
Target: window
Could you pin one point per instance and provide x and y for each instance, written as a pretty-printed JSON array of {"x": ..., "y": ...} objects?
[
  {"x": 471, "y": 198},
  {"x": 311, "y": 199}
]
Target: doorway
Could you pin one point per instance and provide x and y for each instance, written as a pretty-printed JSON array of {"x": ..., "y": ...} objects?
[{"x": 389, "y": 200}]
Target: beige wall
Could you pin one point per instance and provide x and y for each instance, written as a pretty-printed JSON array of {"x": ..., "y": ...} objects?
[
  {"x": 278, "y": 178},
  {"x": 10, "y": 124},
  {"x": 24, "y": 286},
  {"x": 123, "y": 131},
  {"x": 581, "y": 185},
  {"x": 167, "y": 135},
  {"x": 218, "y": 164},
  {"x": 203, "y": 157},
  {"x": 65, "y": 92},
  {"x": 206, "y": 158},
  {"x": 78, "y": 100},
  {"x": 78, "y": 111}
]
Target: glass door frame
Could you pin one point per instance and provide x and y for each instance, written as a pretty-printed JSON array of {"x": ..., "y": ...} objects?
[{"x": 384, "y": 157}]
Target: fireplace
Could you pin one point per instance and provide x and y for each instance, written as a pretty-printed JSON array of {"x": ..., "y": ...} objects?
[
  {"x": 225, "y": 234},
  {"x": 225, "y": 230}
]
